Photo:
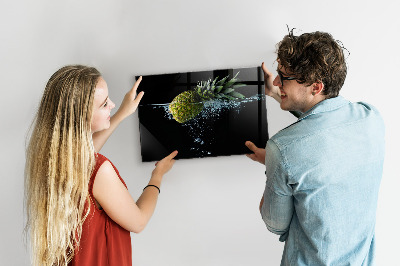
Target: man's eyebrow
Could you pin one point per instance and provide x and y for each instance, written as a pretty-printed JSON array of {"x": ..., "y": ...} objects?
[{"x": 283, "y": 74}]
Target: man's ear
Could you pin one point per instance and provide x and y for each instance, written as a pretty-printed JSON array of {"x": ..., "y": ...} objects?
[{"x": 317, "y": 88}]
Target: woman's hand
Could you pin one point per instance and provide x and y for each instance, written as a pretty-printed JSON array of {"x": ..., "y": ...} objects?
[
  {"x": 128, "y": 107},
  {"x": 258, "y": 155},
  {"x": 131, "y": 101},
  {"x": 116, "y": 201},
  {"x": 270, "y": 89},
  {"x": 163, "y": 166}
]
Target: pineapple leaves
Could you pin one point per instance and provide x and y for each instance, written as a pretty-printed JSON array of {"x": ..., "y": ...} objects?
[
  {"x": 228, "y": 90},
  {"x": 212, "y": 88},
  {"x": 189, "y": 104},
  {"x": 239, "y": 85},
  {"x": 214, "y": 81},
  {"x": 229, "y": 97},
  {"x": 219, "y": 88},
  {"x": 230, "y": 83},
  {"x": 222, "y": 81},
  {"x": 222, "y": 89},
  {"x": 237, "y": 95}
]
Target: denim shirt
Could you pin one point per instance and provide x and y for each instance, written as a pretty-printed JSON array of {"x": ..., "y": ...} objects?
[{"x": 323, "y": 176}]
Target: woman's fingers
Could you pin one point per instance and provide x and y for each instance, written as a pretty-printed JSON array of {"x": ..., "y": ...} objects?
[{"x": 136, "y": 85}]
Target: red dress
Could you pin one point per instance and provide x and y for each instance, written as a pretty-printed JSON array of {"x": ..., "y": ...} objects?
[{"x": 103, "y": 241}]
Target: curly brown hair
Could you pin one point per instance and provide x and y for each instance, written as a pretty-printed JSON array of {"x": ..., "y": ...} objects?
[{"x": 314, "y": 57}]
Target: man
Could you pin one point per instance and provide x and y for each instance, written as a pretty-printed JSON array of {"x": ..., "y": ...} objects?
[{"x": 323, "y": 171}]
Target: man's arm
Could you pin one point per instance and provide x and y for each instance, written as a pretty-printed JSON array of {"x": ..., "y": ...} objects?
[
  {"x": 128, "y": 107},
  {"x": 261, "y": 203},
  {"x": 258, "y": 154},
  {"x": 274, "y": 91},
  {"x": 276, "y": 211},
  {"x": 276, "y": 206},
  {"x": 270, "y": 89}
]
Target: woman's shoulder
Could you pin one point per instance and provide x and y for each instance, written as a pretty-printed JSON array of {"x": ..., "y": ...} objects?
[
  {"x": 99, "y": 161},
  {"x": 100, "y": 158},
  {"x": 105, "y": 167},
  {"x": 102, "y": 164}
]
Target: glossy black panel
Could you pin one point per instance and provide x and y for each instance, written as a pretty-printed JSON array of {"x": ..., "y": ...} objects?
[{"x": 221, "y": 128}]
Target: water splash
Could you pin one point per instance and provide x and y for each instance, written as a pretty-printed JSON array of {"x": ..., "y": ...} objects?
[
  {"x": 212, "y": 109},
  {"x": 201, "y": 127}
]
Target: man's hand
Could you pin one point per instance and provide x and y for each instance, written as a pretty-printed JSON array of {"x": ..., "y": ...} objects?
[
  {"x": 258, "y": 155},
  {"x": 270, "y": 89}
]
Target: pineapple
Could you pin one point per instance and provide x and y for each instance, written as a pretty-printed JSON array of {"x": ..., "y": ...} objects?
[{"x": 188, "y": 104}]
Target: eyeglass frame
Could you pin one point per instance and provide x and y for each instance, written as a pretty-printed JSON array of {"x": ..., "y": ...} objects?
[{"x": 282, "y": 78}]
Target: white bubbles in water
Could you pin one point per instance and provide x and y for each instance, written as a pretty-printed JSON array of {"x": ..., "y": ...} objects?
[
  {"x": 201, "y": 128},
  {"x": 212, "y": 109}
]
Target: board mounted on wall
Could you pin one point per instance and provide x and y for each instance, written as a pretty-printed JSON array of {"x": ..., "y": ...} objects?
[{"x": 202, "y": 114}]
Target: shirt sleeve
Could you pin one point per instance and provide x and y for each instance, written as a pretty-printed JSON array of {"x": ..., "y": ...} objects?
[{"x": 277, "y": 209}]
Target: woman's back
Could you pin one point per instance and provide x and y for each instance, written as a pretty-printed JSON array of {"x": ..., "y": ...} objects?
[
  {"x": 103, "y": 242},
  {"x": 64, "y": 217}
]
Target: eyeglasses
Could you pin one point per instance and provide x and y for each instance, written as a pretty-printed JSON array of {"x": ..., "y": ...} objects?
[{"x": 282, "y": 78}]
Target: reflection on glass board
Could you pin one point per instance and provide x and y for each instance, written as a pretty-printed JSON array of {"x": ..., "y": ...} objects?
[{"x": 202, "y": 114}]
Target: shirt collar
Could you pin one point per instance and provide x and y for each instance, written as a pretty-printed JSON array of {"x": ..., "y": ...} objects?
[{"x": 325, "y": 106}]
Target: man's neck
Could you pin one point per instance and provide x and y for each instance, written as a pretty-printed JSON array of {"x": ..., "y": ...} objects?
[{"x": 316, "y": 100}]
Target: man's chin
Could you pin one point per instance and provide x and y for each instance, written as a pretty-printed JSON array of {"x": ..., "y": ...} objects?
[{"x": 285, "y": 108}]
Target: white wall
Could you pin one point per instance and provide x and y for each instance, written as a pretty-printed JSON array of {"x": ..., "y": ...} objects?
[{"x": 208, "y": 208}]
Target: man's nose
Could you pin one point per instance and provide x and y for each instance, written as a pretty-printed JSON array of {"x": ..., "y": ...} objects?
[{"x": 277, "y": 81}]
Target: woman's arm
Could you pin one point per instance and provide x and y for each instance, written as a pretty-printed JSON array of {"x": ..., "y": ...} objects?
[
  {"x": 116, "y": 201},
  {"x": 128, "y": 107}
]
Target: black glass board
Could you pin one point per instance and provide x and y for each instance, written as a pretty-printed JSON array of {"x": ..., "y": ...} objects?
[{"x": 200, "y": 114}]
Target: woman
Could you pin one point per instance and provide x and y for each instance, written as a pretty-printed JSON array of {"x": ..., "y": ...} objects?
[{"x": 78, "y": 207}]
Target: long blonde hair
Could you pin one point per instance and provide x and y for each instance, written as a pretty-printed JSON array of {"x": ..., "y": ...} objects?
[{"x": 59, "y": 162}]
